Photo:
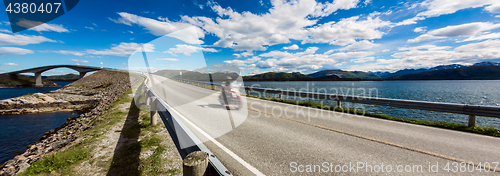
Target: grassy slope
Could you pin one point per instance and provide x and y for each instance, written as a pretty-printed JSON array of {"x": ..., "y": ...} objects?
[
  {"x": 345, "y": 74},
  {"x": 64, "y": 162}
]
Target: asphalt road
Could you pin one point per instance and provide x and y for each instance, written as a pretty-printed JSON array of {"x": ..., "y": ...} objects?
[{"x": 273, "y": 138}]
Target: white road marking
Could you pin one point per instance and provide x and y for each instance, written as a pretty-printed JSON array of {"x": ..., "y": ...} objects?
[{"x": 225, "y": 149}]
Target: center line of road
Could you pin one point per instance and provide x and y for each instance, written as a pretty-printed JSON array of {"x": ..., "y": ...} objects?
[
  {"x": 382, "y": 142},
  {"x": 376, "y": 140}
]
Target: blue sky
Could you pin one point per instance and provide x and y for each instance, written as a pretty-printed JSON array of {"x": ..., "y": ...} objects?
[{"x": 260, "y": 36}]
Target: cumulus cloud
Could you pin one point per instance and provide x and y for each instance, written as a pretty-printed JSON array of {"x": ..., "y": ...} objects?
[
  {"x": 432, "y": 55},
  {"x": 420, "y": 29},
  {"x": 40, "y": 26},
  {"x": 66, "y": 52},
  {"x": 443, "y": 7},
  {"x": 293, "y": 47},
  {"x": 78, "y": 62},
  {"x": 463, "y": 30},
  {"x": 243, "y": 62},
  {"x": 361, "y": 45},
  {"x": 18, "y": 39},
  {"x": 188, "y": 49},
  {"x": 434, "y": 8},
  {"x": 168, "y": 59},
  {"x": 309, "y": 60},
  {"x": 347, "y": 31},
  {"x": 10, "y": 64},
  {"x": 14, "y": 51},
  {"x": 122, "y": 49},
  {"x": 158, "y": 28},
  {"x": 285, "y": 20},
  {"x": 483, "y": 37}
]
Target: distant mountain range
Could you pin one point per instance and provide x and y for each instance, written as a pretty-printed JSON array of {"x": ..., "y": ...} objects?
[
  {"x": 420, "y": 70},
  {"x": 483, "y": 70},
  {"x": 463, "y": 73}
]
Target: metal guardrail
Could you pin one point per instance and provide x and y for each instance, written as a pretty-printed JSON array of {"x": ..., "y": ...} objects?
[
  {"x": 471, "y": 110},
  {"x": 176, "y": 128}
]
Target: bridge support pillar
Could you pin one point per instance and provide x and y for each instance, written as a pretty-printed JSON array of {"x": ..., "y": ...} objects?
[
  {"x": 472, "y": 120},
  {"x": 38, "y": 79},
  {"x": 82, "y": 74},
  {"x": 154, "y": 113}
]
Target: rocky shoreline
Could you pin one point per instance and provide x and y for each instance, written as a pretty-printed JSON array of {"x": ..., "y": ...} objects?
[{"x": 96, "y": 92}]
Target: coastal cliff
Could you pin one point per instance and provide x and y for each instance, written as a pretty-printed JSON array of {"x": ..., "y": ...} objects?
[{"x": 95, "y": 92}]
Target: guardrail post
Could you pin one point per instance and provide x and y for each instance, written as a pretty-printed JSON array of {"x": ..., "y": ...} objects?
[
  {"x": 280, "y": 96},
  {"x": 247, "y": 92},
  {"x": 339, "y": 104},
  {"x": 472, "y": 120},
  {"x": 147, "y": 95},
  {"x": 154, "y": 114},
  {"x": 195, "y": 164}
]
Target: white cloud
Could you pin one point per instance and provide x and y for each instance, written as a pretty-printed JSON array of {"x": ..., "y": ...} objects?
[
  {"x": 168, "y": 59},
  {"x": 122, "y": 49},
  {"x": 40, "y": 26},
  {"x": 347, "y": 31},
  {"x": 78, "y": 62},
  {"x": 188, "y": 49},
  {"x": 432, "y": 55},
  {"x": 463, "y": 30},
  {"x": 386, "y": 50},
  {"x": 285, "y": 20},
  {"x": 11, "y": 64},
  {"x": 17, "y": 39},
  {"x": 293, "y": 47},
  {"x": 14, "y": 51},
  {"x": 5, "y": 31},
  {"x": 361, "y": 45},
  {"x": 442, "y": 7},
  {"x": 243, "y": 62},
  {"x": 76, "y": 53},
  {"x": 494, "y": 8},
  {"x": 309, "y": 60},
  {"x": 158, "y": 28},
  {"x": 483, "y": 37},
  {"x": 420, "y": 29},
  {"x": 434, "y": 8}
]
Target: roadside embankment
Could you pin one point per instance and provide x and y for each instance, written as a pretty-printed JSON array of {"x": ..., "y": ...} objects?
[
  {"x": 96, "y": 91},
  {"x": 80, "y": 95}
]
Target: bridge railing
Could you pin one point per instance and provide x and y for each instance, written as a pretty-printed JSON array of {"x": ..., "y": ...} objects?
[
  {"x": 177, "y": 128},
  {"x": 471, "y": 110}
]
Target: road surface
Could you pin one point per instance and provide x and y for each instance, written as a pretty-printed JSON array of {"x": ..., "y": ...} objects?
[{"x": 272, "y": 138}]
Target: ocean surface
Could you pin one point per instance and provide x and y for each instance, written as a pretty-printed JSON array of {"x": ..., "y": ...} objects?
[
  {"x": 18, "y": 131},
  {"x": 6, "y": 93},
  {"x": 473, "y": 92}
]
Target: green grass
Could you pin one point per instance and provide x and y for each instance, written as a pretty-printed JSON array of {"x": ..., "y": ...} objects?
[
  {"x": 490, "y": 131},
  {"x": 60, "y": 161}
]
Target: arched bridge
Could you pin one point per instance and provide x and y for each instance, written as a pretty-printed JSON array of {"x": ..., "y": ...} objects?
[{"x": 83, "y": 70}]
